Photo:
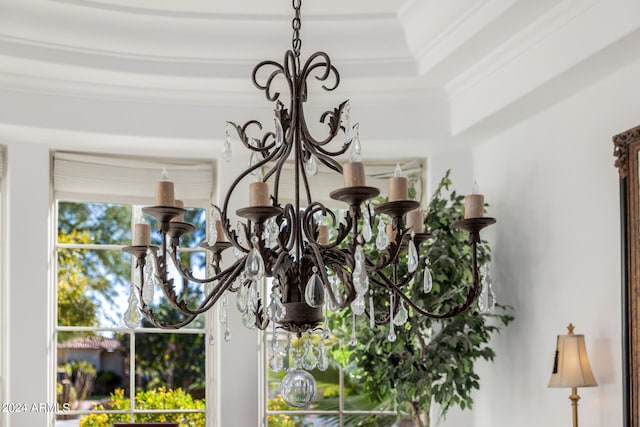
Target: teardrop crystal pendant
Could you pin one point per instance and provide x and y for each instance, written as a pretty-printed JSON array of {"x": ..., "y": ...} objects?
[
  {"x": 314, "y": 291},
  {"x": 381, "y": 239},
  {"x": 147, "y": 293},
  {"x": 254, "y": 265},
  {"x": 311, "y": 166},
  {"x": 241, "y": 299},
  {"x": 226, "y": 150},
  {"x": 412, "y": 257},
  {"x": 227, "y": 333},
  {"x": 323, "y": 360},
  {"x": 223, "y": 314},
  {"x": 402, "y": 315},
  {"x": 131, "y": 315},
  {"x": 427, "y": 280},
  {"x": 366, "y": 225}
]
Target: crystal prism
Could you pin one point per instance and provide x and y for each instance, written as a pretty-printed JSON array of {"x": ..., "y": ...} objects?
[
  {"x": 382, "y": 241},
  {"x": 412, "y": 257},
  {"x": 277, "y": 361},
  {"x": 276, "y": 310},
  {"x": 241, "y": 299},
  {"x": 249, "y": 319},
  {"x": 356, "y": 146},
  {"x": 366, "y": 226},
  {"x": 226, "y": 150},
  {"x": 323, "y": 360},
  {"x": 308, "y": 358},
  {"x": 279, "y": 132},
  {"x": 227, "y": 334},
  {"x": 212, "y": 232},
  {"x": 354, "y": 340},
  {"x": 358, "y": 305},
  {"x": 346, "y": 123},
  {"x": 372, "y": 313}
]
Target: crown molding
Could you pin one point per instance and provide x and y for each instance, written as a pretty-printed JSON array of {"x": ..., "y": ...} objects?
[{"x": 559, "y": 43}]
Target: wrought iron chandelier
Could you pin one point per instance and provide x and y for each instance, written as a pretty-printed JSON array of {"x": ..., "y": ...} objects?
[{"x": 287, "y": 247}]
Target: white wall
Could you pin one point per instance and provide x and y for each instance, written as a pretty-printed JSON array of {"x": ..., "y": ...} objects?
[
  {"x": 25, "y": 308},
  {"x": 556, "y": 253}
]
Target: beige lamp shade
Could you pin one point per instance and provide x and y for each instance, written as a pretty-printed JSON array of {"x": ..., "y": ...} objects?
[{"x": 571, "y": 365}]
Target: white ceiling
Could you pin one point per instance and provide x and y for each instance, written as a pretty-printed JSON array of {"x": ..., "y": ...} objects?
[{"x": 427, "y": 74}]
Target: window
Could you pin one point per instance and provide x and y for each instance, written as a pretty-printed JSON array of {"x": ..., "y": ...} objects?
[{"x": 107, "y": 372}]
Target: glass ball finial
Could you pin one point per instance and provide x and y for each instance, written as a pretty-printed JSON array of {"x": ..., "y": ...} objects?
[{"x": 298, "y": 388}]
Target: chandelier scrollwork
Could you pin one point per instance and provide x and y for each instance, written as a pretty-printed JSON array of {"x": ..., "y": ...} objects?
[{"x": 289, "y": 243}]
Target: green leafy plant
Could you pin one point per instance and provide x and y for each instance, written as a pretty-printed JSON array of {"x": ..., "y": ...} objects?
[
  {"x": 430, "y": 360},
  {"x": 159, "y": 398}
]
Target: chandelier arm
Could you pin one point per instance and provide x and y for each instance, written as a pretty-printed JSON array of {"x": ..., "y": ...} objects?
[
  {"x": 471, "y": 297},
  {"x": 334, "y": 127},
  {"x": 211, "y": 298},
  {"x": 287, "y": 234},
  {"x": 148, "y": 313},
  {"x": 242, "y": 135},
  {"x": 266, "y": 87},
  {"x": 324, "y": 158},
  {"x": 329, "y": 70},
  {"x": 301, "y": 172},
  {"x": 281, "y": 154},
  {"x": 185, "y": 272}
]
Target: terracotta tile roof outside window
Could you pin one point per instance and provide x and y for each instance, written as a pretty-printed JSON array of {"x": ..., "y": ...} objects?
[{"x": 91, "y": 343}]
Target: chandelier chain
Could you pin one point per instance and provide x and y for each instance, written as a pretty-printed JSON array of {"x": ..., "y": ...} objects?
[{"x": 296, "y": 24}]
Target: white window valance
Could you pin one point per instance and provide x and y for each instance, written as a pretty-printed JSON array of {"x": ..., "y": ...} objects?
[{"x": 128, "y": 179}]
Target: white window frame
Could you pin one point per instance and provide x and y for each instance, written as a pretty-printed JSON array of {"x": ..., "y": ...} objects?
[{"x": 207, "y": 331}]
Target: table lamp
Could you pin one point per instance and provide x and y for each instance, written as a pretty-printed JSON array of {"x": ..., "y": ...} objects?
[{"x": 571, "y": 367}]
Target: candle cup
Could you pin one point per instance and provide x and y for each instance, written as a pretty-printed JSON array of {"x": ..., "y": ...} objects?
[
  {"x": 164, "y": 193},
  {"x": 415, "y": 221},
  {"x": 473, "y": 206},
  {"x": 142, "y": 235},
  {"x": 391, "y": 233},
  {"x": 323, "y": 234},
  {"x": 259, "y": 194},
  {"x": 398, "y": 188},
  {"x": 353, "y": 174},
  {"x": 178, "y": 204},
  {"x": 222, "y": 237}
]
